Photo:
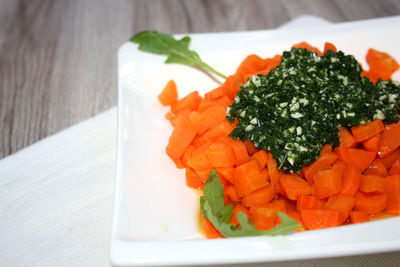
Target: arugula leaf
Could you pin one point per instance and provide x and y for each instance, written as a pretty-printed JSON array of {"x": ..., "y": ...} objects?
[
  {"x": 213, "y": 208},
  {"x": 177, "y": 50}
]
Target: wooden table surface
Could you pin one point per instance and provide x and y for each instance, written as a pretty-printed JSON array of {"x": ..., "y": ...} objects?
[{"x": 58, "y": 59}]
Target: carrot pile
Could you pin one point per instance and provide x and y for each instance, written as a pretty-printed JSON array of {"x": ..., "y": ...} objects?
[{"x": 356, "y": 182}]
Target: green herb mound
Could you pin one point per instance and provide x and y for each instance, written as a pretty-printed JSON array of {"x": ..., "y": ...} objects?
[{"x": 299, "y": 106}]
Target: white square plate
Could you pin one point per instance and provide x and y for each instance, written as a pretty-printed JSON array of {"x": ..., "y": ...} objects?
[{"x": 156, "y": 216}]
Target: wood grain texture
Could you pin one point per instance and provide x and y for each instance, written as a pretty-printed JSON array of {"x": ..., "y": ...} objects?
[{"x": 58, "y": 59}]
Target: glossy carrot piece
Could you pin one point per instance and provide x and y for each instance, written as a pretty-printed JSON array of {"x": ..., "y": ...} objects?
[
  {"x": 307, "y": 46},
  {"x": 246, "y": 179},
  {"x": 309, "y": 202},
  {"x": 381, "y": 64},
  {"x": 251, "y": 64},
  {"x": 358, "y": 217},
  {"x": 181, "y": 137},
  {"x": 231, "y": 85},
  {"x": 215, "y": 93},
  {"x": 392, "y": 189},
  {"x": 222, "y": 129},
  {"x": 390, "y": 139},
  {"x": 209, "y": 229},
  {"x": 220, "y": 155},
  {"x": 259, "y": 197},
  {"x": 390, "y": 159},
  {"x": 368, "y": 130},
  {"x": 261, "y": 157},
  {"x": 376, "y": 168},
  {"x": 358, "y": 158},
  {"x": 251, "y": 149},
  {"x": 228, "y": 173},
  {"x": 169, "y": 94},
  {"x": 201, "y": 164},
  {"x": 294, "y": 186},
  {"x": 239, "y": 149},
  {"x": 328, "y": 182},
  {"x": 395, "y": 169},
  {"x": 192, "y": 179},
  {"x": 190, "y": 102},
  {"x": 346, "y": 139},
  {"x": 372, "y": 144},
  {"x": 320, "y": 218},
  {"x": 329, "y": 46},
  {"x": 371, "y": 203},
  {"x": 344, "y": 204},
  {"x": 230, "y": 191},
  {"x": 211, "y": 117},
  {"x": 325, "y": 160},
  {"x": 274, "y": 173},
  {"x": 351, "y": 181}
]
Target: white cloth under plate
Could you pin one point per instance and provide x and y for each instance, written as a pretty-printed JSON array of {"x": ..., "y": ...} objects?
[{"x": 56, "y": 198}]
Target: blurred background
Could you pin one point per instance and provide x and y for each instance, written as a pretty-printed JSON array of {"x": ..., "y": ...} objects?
[{"x": 58, "y": 59}]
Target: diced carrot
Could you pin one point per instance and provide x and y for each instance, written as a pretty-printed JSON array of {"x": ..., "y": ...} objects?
[
  {"x": 358, "y": 158},
  {"x": 294, "y": 186},
  {"x": 325, "y": 160},
  {"x": 329, "y": 46},
  {"x": 181, "y": 137},
  {"x": 368, "y": 130},
  {"x": 169, "y": 94},
  {"x": 351, "y": 181},
  {"x": 307, "y": 46},
  {"x": 320, "y": 218},
  {"x": 328, "y": 182},
  {"x": 326, "y": 148},
  {"x": 240, "y": 151},
  {"x": 261, "y": 196},
  {"x": 392, "y": 189},
  {"x": 358, "y": 217},
  {"x": 179, "y": 116},
  {"x": 395, "y": 169},
  {"x": 228, "y": 173},
  {"x": 222, "y": 129},
  {"x": 346, "y": 139},
  {"x": 231, "y": 85},
  {"x": 231, "y": 193},
  {"x": 201, "y": 165},
  {"x": 199, "y": 149},
  {"x": 376, "y": 168},
  {"x": 340, "y": 165},
  {"x": 264, "y": 217},
  {"x": 372, "y": 144},
  {"x": 344, "y": 204},
  {"x": 223, "y": 102},
  {"x": 236, "y": 209},
  {"x": 390, "y": 139},
  {"x": 371, "y": 203},
  {"x": 251, "y": 64},
  {"x": 192, "y": 179},
  {"x": 381, "y": 64},
  {"x": 274, "y": 173},
  {"x": 211, "y": 117},
  {"x": 209, "y": 228},
  {"x": 261, "y": 157},
  {"x": 190, "y": 102},
  {"x": 169, "y": 116},
  {"x": 270, "y": 64},
  {"x": 205, "y": 103},
  {"x": 308, "y": 202},
  {"x": 389, "y": 160},
  {"x": 220, "y": 155},
  {"x": 246, "y": 179},
  {"x": 215, "y": 93},
  {"x": 251, "y": 149}
]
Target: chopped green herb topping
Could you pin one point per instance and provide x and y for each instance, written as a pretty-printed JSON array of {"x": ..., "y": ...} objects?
[{"x": 299, "y": 106}]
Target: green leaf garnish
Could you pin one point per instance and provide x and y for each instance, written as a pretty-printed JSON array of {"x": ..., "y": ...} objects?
[
  {"x": 177, "y": 51},
  {"x": 213, "y": 208}
]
